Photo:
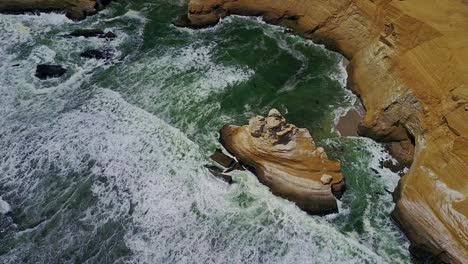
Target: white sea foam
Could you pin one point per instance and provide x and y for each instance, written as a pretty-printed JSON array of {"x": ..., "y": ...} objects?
[
  {"x": 130, "y": 14},
  {"x": 351, "y": 101},
  {"x": 379, "y": 231},
  {"x": 181, "y": 81},
  {"x": 4, "y": 207}
]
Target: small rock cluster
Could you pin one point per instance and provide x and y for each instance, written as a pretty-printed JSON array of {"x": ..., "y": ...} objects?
[
  {"x": 46, "y": 71},
  {"x": 273, "y": 127}
]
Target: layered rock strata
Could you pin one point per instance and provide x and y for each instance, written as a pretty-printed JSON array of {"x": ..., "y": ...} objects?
[
  {"x": 75, "y": 9},
  {"x": 408, "y": 65},
  {"x": 285, "y": 159}
]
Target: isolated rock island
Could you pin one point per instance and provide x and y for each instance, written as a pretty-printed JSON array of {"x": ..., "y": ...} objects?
[{"x": 286, "y": 159}]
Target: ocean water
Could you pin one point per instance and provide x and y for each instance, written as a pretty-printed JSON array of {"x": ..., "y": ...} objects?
[{"x": 106, "y": 163}]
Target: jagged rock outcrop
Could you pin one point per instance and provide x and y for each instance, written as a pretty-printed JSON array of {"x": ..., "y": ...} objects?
[
  {"x": 285, "y": 159},
  {"x": 408, "y": 65},
  {"x": 75, "y": 9}
]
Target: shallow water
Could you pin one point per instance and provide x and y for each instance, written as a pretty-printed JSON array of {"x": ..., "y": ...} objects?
[{"x": 105, "y": 164}]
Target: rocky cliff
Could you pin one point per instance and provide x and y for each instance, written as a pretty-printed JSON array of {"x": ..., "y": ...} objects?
[
  {"x": 75, "y": 9},
  {"x": 285, "y": 159},
  {"x": 408, "y": 65}
]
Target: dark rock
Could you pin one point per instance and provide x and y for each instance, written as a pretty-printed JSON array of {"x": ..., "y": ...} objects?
[
  {"x": 108, "y": 35},
  {"x": 100, "y": 4},
  {"x": 338, "y": 189},
  {"x": 215, "y": 171},
  {"x": 44, "y": 71},
  {"x": 97, "y": 54},
  {"x": 222, "y": 159},
  {"x": 422, "y": 254},
  {"x": 182, "y": 21},
  {"x": 131, "y": 210},
  {"x": 235, "y": 166},
  {"x": 87, "y": 33},
  {"x": 90, "y": 33}
]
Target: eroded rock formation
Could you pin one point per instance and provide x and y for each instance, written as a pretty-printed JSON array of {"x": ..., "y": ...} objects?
[
  {"x": 408, "y": 65},
  {"x": 75, "y": 9},
  {"x": 286, "y": 159}
]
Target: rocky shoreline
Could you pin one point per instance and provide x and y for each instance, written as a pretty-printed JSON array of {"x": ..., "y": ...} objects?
[
  {"x": 407, "y": 64},
  {"x": 74, "y": 9}
]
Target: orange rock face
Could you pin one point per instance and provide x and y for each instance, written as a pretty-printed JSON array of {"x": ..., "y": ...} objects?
[
  {"x": 408, "y": 63},
  {"x": 286, "y": 159},
  {"x": 75, "y": 9}
]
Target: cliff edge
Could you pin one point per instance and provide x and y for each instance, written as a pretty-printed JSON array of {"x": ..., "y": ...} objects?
[{"x": 408, "y": 65}]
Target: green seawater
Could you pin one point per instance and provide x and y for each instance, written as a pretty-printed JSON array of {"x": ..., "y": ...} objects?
[{"x": 106, "y": 164}]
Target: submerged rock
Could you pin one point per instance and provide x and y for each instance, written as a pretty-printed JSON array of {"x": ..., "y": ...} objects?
[
  {"x": 218, "y": 173},
  {"x": 286, "y": 159},
  {"x": 97, "y": 54},
  {"x": 44, "y": 71},
  {"x": 89, "y": 33}
]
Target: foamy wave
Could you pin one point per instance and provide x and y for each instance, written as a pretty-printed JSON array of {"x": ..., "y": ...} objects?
[
  {"x": 242, "y": 224},
  {"x": 181, "y": 81},
  {"x": 4, "y": 206}
]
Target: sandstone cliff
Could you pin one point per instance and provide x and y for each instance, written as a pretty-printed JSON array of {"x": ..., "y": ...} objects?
[
  {"x": 408, "y": 64},
  {"x": 286, "y": 160},
  {"x": 75, "y": 9}
]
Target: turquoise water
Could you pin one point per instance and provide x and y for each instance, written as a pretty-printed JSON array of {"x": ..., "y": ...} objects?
[{"x": 105, "y": 164}]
